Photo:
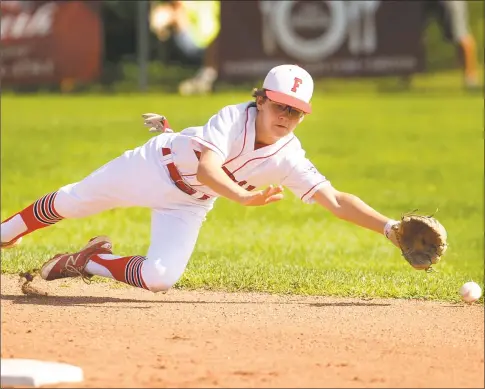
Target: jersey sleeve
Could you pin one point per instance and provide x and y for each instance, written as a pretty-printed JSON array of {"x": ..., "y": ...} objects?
[
  {"x": 304, "y": 180},
  {"x": 220, "y": 131}
]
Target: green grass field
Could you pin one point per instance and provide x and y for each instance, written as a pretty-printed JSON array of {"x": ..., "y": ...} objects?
[{"x": 397, "y": 151}]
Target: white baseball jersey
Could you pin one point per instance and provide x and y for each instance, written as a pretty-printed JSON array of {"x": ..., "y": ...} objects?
[{"x": 231, "y": 134}]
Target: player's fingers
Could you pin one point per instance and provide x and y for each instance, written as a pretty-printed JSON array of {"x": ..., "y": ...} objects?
[
  {"x": 278, "y": 189},
  {"x": 275, "y": 191},
  {"x": 151, "y": 122},
  {"x": 270, "y": 190},
  {"x": 267, "y": 191},
  {"x": 274, "y": 198}
]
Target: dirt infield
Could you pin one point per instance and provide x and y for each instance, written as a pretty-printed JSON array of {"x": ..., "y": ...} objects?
[{"x": 124, "y": 337}]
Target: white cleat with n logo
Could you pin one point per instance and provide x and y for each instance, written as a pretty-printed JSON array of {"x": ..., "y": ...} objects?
[{"x": 73, "y": 264}]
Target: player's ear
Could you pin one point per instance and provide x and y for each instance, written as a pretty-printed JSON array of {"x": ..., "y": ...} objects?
[
  {"x": 259, "y": 102},
  {"x": 301, "y": 119}
]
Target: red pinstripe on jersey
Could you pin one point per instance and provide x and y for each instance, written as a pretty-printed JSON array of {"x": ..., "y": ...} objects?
[
  {"x": 245, "y": 134},
  {"x": 313, "y": 187},
  {"x": 212, "y": 144},
  {"x": 264, "y": 157},
  {"x": 251, "y": 187}
]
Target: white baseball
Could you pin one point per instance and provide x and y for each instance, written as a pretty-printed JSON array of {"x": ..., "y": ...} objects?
[{"x": 470, "y": 292}]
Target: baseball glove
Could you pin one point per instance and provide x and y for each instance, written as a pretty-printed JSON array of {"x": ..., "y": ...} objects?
[
  {"x": 156, "y": 122},
  {"x": 422, "y": 240}
]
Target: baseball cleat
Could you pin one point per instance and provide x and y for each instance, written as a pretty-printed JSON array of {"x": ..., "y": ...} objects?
[
  {"x": 73, "y": 264},
  {"x": 11, "y": 244}
]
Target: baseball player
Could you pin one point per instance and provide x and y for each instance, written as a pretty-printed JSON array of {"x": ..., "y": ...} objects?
[{"x": 180, "y": 175}]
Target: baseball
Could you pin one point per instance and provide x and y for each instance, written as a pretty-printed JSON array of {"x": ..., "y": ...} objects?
[{"x": 470, "y": 292}]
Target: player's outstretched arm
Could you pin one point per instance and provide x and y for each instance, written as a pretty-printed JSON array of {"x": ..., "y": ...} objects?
[
  {"x": 421, "y": 239},
  {"x": 210, "y": 173},
  {"x": 349, "y": 207}
]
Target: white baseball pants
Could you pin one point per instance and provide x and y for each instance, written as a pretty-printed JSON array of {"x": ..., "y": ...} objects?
[{"x": 139, "y": 178}]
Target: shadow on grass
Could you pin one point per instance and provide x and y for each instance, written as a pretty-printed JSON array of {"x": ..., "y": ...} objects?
[{"x": 89, "y": 300}]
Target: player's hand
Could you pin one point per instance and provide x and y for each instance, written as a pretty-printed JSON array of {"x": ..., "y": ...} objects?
[
  {"x": 156, "y": 122},
  {"x": 263, "y": 197},
  {"x": 393, "y": 238}
]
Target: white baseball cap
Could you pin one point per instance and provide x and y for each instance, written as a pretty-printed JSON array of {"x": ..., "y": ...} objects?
[{"x": 290, "y": 85}]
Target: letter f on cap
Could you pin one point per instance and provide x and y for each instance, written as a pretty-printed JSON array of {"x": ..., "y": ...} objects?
[{"x": 296, "y": 84}]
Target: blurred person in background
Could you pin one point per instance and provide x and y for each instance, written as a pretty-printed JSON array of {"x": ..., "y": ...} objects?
[
  {"x": 452, "y": 18},
  {"x": 16, "y": 5},
  {"x": 194, "y": 26}
]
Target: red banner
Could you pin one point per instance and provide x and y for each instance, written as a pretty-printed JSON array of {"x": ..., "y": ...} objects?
[{"x": 50, "y": 42}]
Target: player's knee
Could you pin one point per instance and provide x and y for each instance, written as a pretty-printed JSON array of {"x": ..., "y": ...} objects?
[
  {"x": 157, "y": 277},
  {"x": 160, "y": 286},
  {"x": 69, "y": 204}
]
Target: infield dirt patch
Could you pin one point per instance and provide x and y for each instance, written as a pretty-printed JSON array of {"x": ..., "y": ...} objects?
[{"x": 126, "y": 337}]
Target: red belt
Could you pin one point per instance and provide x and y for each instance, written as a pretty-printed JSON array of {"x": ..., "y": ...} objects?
[{"x": 178, "y": 180}]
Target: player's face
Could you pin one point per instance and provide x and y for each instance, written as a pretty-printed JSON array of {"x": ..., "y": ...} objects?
[{"x": 279, "y": 119}]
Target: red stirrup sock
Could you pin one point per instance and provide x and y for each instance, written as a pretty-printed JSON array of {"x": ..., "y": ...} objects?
[
  {"x": 38, "y": 215},
  {"x": 124, "y": 269}
]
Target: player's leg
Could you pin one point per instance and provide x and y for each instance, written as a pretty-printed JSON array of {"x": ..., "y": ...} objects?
[
  {"x": 460, "y": 34},
  {"x": 74, "y": 200},
  {"x": 129, "y": 180},
  {"x": 40, "y": 214},
  {"x": 173, "y": 237}
]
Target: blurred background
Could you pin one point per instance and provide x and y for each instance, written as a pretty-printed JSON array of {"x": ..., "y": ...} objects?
[{"x": 200, "y": 47}]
